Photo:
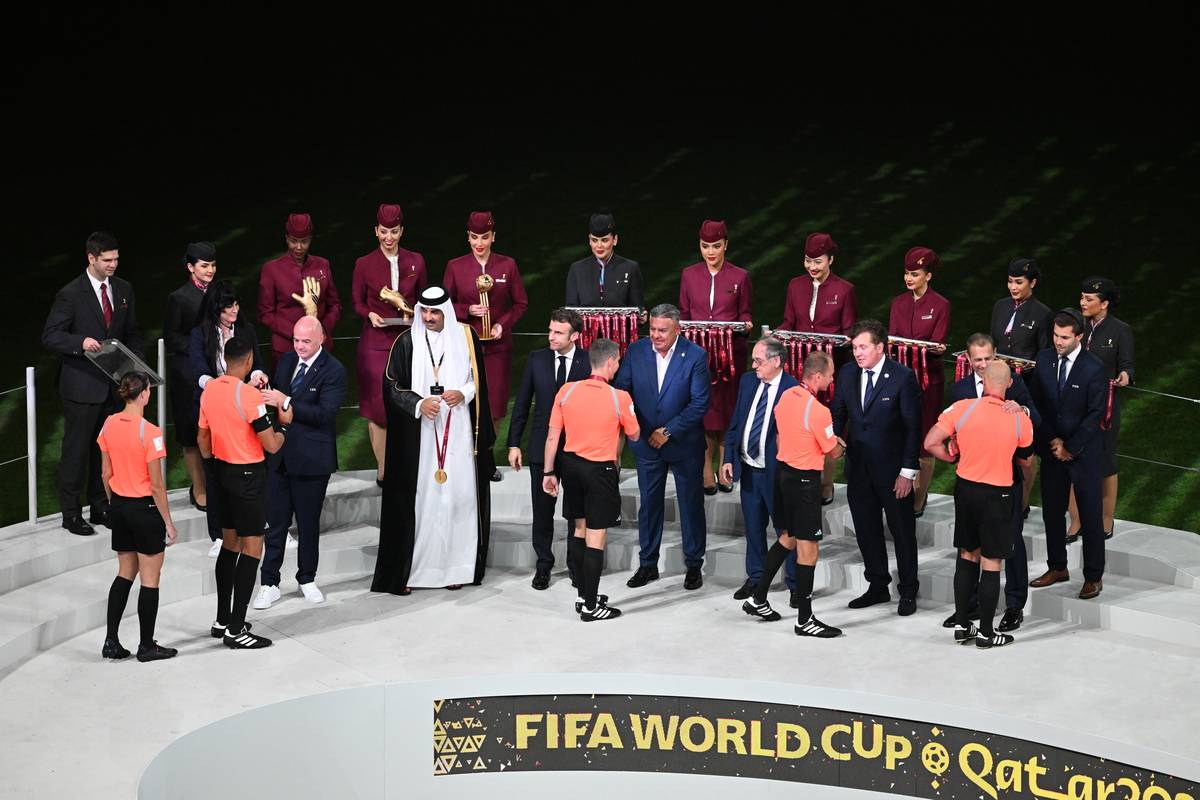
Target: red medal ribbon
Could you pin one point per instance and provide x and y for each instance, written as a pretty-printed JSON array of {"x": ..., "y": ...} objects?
[
  {"x": 1106, "y": 423},
  {"x": 444, "y": 449},
  {"x": 960, "y": 367}
]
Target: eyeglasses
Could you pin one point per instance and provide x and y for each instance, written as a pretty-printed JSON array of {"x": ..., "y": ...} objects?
[{"x": 758, "y": 362}]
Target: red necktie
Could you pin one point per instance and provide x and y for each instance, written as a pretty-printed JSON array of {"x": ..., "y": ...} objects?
[{"x": 105, "y": 305}]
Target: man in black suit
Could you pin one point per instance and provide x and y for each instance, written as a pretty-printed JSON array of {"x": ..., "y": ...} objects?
[
  {"x": 1069, "y": 387},
  {"x": 93, "y": 307},
  {"x": 312, "y": 383},
  {"x": 604, "y": 278},
  {"x": 545, "y": 372},
  {"x": 877, "y": 413},
  {"x": 981, "y": 351}
]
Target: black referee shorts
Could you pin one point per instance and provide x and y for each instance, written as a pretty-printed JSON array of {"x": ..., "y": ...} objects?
[
  {"x": 136, "y": 525},
  {"x": 243, "y": 496},
  {"x": 798, "y": 502},
  {"x": 983, "y": 518},
  {"x": 590, "y": 491}
]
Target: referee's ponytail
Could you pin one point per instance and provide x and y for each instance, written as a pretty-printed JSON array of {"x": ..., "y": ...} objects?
[{"x": 132, "y": 385}]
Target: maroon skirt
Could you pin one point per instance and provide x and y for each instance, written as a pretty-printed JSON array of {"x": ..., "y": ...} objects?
[
  {"x": 371, "y": 363},
  {"x": 932, "y": 406}
]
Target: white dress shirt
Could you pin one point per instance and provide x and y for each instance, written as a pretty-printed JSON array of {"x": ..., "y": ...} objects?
[
  {"x": 812, "y": 304},
  {"x": 96, "y": 289},
  {"x": 1071, "y": 356},
  {"x": 772, "y": 390},
  {"x": 395, "y": 262},
  {"x": 978, "y": 386},
  {"x": 570, "y": 359},
  {"x": 308, "y": 362},
  {"x": 662, "y": 362}
]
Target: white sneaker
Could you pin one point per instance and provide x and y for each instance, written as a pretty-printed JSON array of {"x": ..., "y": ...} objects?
[
  {"x": 292, "y": 543},
  {"x": 267, "y": 595},
  {"x": 311, "y": 593},
  {"x": 215, "y": 550}
]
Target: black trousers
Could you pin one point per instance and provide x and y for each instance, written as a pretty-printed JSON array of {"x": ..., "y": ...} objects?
[
  {"x": 80, "y": 458},
  {"x": 1058, "y": 477},
  {"x": 543, "y": 518},
  {"x": 288, "y": 495},
  {"x": 869, "y": 504},
  {"x": 1016, "y": 567}
]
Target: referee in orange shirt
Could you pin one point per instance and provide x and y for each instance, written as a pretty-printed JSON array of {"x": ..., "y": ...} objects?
[
  {"x": 131, "y": 452},
  {"x": 234, "y": 432},
  {"x": 987, "y": 436},
  {"x": 592, "y": 414},
  {"x": 805, "y": 438}
]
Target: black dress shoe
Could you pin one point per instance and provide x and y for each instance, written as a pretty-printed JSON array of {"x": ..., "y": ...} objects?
[
  {"x": 1011, "y": 620},
  {"x": 541, "y": 580},
  {"x": 710, "y": 490},
  {"x": 871, "y": 597},
  {"x": 746, "y": 590},
  {"x": 725, "y": 487},
  {"x": 643, "y": 576},
  {"x": 918, "y": 514},
  {"x": 496, "y": 476},
  {"x": 192, "y": 500},
  {"x": 908, "y": 606},
  {"x": 1108, "y": 535},
  {"x": 155, "y": 652},
  {"x": 379, "y": 482},
  {"x": 693, "y": 580},
  {"x": 77, "y": 526},
  {"x": 112, "y": 649},
  {"x": 972, "y": 614},
  {"x": 828, "y": 500},
  {"x": 1025, "y": 513},
  {"x": 99, "y": 517},
  {"x": 1073, "y": 538}
]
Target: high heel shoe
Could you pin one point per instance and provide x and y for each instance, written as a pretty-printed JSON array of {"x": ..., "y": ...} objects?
[{"x": 192, "y": 500}]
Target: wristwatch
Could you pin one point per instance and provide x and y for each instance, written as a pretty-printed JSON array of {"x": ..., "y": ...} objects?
[{"x": 287, "y": 401}]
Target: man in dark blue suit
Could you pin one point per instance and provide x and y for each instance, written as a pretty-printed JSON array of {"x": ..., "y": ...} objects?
[
  {"x": 545, "y": 372},
  {"x": 981, "y": 351},
  {"x": 1069, "y": 387},
  {"x": 877, "y": 413},
  {"x": 312, "y": 383},
  {"x": 751, "y": 447},
  {"x": 668, "y": 379}
]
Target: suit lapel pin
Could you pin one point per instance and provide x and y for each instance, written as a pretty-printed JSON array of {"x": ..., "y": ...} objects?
[{"x": 886, "y": 375}]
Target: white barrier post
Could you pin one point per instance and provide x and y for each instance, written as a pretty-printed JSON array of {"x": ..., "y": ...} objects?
[
  {"x": 162, "y": 399},
  {"x": 31, "y": 442}
]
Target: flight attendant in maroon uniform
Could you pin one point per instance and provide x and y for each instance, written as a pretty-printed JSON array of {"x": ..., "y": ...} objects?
[
  {"x": 821, "y": 302},
  {"x": 922, "y": 313},
  {"x": 506, "y": 305},
  {"x": 282, "y": 281},
  {"x": 716, "y": 290},
  {"x": 391, "y": 266}
]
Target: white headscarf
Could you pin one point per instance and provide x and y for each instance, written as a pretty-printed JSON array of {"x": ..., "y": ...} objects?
[{"x": 455, "y": 370}]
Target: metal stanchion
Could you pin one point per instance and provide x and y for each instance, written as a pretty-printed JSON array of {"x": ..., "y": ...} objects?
[
  {"x": 31, "y": 442},
  {"x": 162, "y": 399}
]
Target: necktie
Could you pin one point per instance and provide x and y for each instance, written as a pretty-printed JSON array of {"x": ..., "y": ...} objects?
[
  {"x": 1062, "y": 374},
  {"x": 560, "y": 375},
  {"x": 296, "y": 381},
  {"x": 105, "y": 305},
  {"x": 870, "y": 388},
  {"x": 760, "y": 416}
]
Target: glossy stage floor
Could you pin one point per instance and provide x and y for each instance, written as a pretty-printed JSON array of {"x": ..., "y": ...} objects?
[{"x": 1113, "y": 677}]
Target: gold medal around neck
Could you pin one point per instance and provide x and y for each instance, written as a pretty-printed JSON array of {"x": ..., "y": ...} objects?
[{"x": 440, "y": 476}]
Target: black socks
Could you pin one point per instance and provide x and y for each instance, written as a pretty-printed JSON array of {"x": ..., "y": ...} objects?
[
  {"x": 593, "y": 564},
  {"x": 118, "y": 596},
  {"x": 576, "y": 545},
  {"x": 775, "y": 558},
  {"x": 245, "y": 575},
  {"x": 225, "y": 570},
  {"x": 805, "y": 573},
  {"x": 989, "y": 595},
  {"x": 147, "y": 614},
  {"x": 966, "y": 578}
]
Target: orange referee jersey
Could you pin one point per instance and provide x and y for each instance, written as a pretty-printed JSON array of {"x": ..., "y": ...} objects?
[
  {"x": 805, "y": 429},
  {"x": 233, "y": 411},
  {"x": 988, "y": 437},
  {"x": 592, "y": 414},
  {"x": 131, "y": 443}
]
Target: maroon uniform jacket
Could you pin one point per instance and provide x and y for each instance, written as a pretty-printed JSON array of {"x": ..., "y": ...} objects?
[
  {"x": 506, "y": 298},
  {"x": 927, "y": 319},
  {"x": 279, "y": 311},
  {"x": 732, "y": 295},
  {"x": 837, "y": 307}
]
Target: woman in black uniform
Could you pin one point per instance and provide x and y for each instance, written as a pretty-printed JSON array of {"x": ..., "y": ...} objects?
[
  {"x": 1110, "y": 340},
  {"x": 131, "y": 453}
]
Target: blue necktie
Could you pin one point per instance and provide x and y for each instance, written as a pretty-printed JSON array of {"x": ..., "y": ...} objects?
[
  {"x": 870, "y": 388},
  {"x": 1062, "y": 375},
  {"x": 760, "y": 416},
  {"x": 296, "y": 381}
]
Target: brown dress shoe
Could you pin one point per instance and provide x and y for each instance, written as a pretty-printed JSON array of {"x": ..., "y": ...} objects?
[
  {"x": 1050, "y": 577},
  {"x": 1091, "y": 589}
]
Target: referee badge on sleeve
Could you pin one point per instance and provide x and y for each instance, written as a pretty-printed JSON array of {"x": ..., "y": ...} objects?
[
  {"x": 262, "y": 411},
  {"x": 631, "y": 411},
  {"x": 828, "y": 431},
  {"x": 158, "y": 444}
]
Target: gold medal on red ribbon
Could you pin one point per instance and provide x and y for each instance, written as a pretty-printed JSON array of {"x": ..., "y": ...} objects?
[{"x": 440, "y": 476}]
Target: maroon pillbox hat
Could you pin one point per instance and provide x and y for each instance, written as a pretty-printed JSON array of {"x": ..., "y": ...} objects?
[
  {"x": 389, "y": 215},
  {"x": 819, "y": 244},
  {"x": 713, "y": 230},
  {"x": 921, "y": 258},
  {"x": 481, "y": 222},
  {"x": 299, "y": 226}
]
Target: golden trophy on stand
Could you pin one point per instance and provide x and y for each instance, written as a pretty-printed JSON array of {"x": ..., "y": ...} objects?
[
  {"x": 397, "y": 301},
  {"x": 484, "y": 284}
]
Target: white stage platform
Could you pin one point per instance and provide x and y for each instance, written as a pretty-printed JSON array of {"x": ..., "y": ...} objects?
[{"x": 1109, "y": 674}]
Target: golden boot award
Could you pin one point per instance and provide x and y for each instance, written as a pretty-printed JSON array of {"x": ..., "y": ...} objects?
[
  {"x": 484, "y": 284},
  {"x": 396, "y": 299}
]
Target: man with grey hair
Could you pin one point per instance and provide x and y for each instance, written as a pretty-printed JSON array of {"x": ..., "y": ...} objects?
[
  {"x": 668, "y": 379},
  {"x": 750, "y": 453}
]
